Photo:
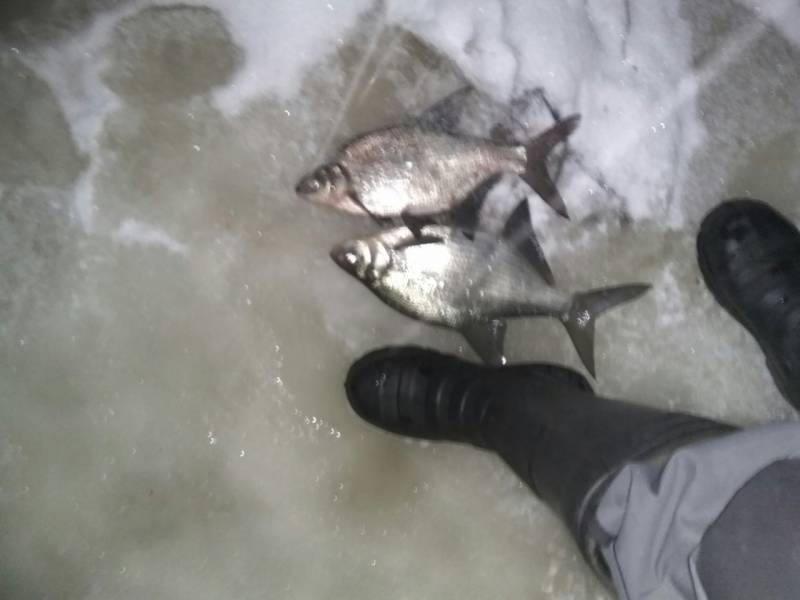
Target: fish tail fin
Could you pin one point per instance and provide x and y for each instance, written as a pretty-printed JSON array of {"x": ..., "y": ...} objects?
[
  {"x": 584, "y": 310},
  {"x": 536, "y": 151}
]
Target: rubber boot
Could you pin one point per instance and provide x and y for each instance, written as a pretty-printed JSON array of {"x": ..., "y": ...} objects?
[
  {"x": 749, "y": 255},
  {"x": 543, "y": 420}
]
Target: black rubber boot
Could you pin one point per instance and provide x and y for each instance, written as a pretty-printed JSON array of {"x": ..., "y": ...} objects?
[
  {"x": 543, "y": 420},
  {"x": 424, "y": 394},
  {"x": 750, "y": 258}
]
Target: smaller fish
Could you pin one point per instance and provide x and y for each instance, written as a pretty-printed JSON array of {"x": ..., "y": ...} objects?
[
  {"x": 424, "y": 168},
  {"x": 472, "y": 284}
]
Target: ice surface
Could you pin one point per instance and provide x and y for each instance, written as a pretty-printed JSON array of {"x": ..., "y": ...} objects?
[
  {"x": 173, "y": 336},
  {"x": 783, "y": 14}
]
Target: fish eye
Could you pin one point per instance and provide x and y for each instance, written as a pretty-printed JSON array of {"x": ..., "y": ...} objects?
[{"x": 351, "y": 258}]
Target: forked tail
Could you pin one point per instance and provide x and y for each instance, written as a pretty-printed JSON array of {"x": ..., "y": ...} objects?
[
  {"x": 587, "y": 307},
  {"x": 536, "y": 174}
]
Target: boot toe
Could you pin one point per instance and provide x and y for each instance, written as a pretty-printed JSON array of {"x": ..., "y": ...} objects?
[
  {"x": 389, "y": 388},
  {"x": 421, "y": 393},
  {"x": 366, "y": 385},
  {"x": 740, "y": 237}
]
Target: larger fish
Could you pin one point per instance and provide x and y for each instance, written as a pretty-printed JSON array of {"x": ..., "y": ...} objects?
[
  {"x": 472, "y": 284},
  {"x": 418, "y": 169}
]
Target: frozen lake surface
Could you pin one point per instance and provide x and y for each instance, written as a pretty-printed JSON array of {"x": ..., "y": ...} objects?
[{"x": 174, "y": 337}]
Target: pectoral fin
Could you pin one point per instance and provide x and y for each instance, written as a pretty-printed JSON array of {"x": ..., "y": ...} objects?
[
  {"x": 415, "y": 223},
  {"x": 487, "y": 338},
  {"x": 518, "y": 231},
  {"x": 418, "y": 241},
  {"x": 446, "y": 113},
  {"x": 354, "y": 197}
]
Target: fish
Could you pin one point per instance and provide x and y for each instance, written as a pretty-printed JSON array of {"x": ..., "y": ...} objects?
[
  {"x": 473, "y": 282},
  {"x": 423, "y": 167}
]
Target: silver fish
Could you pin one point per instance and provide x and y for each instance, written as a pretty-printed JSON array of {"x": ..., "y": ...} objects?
[
  {"x": 472, "y": 284},
  {"x": 423, "y": 168}
]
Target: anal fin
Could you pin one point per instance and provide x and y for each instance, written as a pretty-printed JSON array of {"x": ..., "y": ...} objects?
[
  {"x": 487, "y": 339},
  {"x": 354, "y": 197}
]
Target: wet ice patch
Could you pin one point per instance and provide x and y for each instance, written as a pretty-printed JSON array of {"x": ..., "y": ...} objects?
[
  {"x": 137, "y": 233},
  {"x": 783, "y": 14},
  {"x": 72, "y": 68},
  {"x": 98, "y": 70},
  {"x": 83, "y": 206},
  {"x": 281, "y": 42},
  {"x": 169, "y": 53}
]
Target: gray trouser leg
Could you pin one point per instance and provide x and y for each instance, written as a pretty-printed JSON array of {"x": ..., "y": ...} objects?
[{"x": 695, "y": 526}]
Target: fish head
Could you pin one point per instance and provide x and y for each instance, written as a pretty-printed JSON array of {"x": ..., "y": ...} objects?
[
  {"x": 366, "y": 260},
  {"x": 329, "y": 185}
]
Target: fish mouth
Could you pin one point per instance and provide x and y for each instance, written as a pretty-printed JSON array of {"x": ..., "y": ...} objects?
[
  {"x": 310, "y": 184},
  {"x": 346, "y": 257}
]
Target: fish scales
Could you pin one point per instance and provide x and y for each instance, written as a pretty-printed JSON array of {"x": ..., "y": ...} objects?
[
  {"x": 473, "y": 283},
  {"x": 458, "y": 281},
  {"x": 436, "y": 169}
]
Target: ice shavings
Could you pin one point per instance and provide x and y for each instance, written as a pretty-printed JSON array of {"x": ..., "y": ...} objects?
[
  {"x": 471, "y": 33},
  {"x": 137, "y": 233},
  {"x": 72, "y": 69},
  {"x": 617, "y": 63}
]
